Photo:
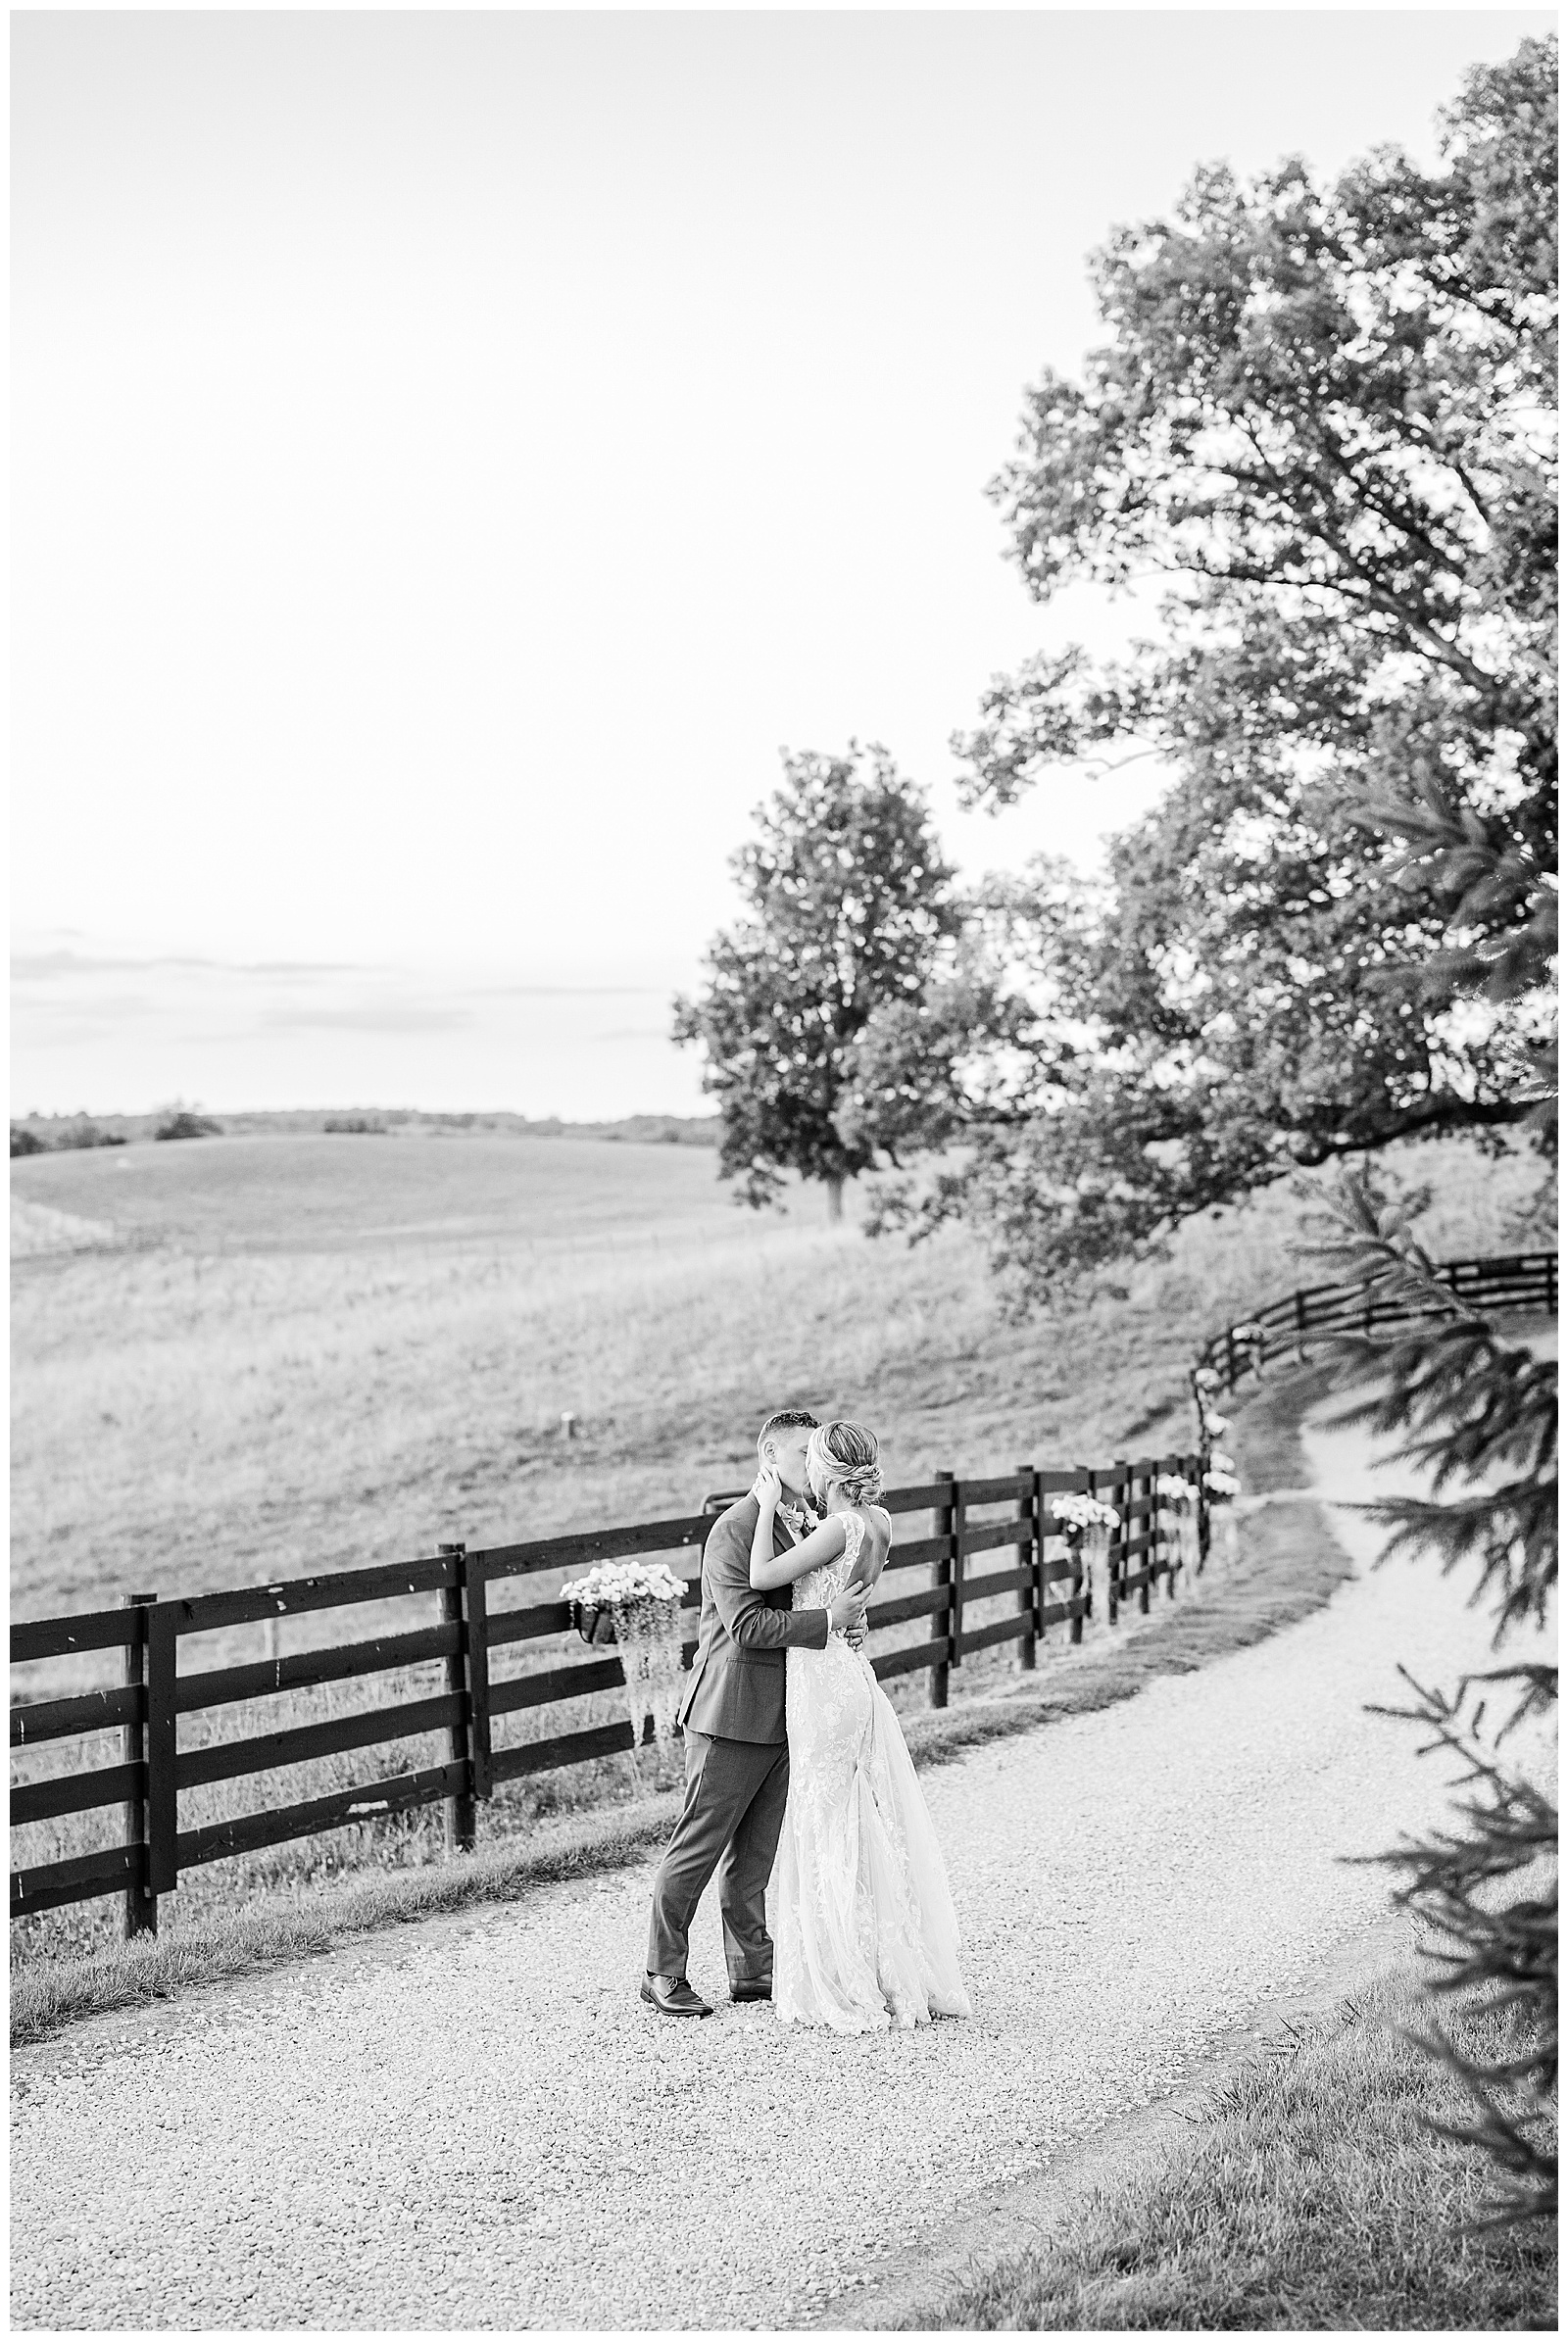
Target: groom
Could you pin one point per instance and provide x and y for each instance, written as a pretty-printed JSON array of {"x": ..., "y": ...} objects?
[{"x": 737, "y": 1756}]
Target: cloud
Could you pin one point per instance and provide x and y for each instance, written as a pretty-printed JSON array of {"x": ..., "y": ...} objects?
[
  {"x": 68, "y": 993},
  {"x": 302, "y": 967},
  {"x": 41, "y": 967},
  {"x": 57, "y": 965},
  {"x": 387, "y": 1015},
  {"x": 565, "y": 991},
  {"x": 95, "y": 1012}
]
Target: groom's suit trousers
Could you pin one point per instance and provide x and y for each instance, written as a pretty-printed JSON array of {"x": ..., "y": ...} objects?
[
  {"x": 730, "y": 1821},
  {"x": 737, "y": 1755}
]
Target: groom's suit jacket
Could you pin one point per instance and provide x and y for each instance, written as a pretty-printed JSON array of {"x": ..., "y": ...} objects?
[{"x": 736, "y": 1690}]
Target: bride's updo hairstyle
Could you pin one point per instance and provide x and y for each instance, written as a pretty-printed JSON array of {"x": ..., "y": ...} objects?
[{"x": 842, "y": 1455}]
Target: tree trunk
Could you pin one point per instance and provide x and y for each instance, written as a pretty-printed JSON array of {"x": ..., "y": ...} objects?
[{"x": 835, "y": 1200}]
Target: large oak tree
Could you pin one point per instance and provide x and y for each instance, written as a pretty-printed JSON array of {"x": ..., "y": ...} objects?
[{"x": 1324, "y": 417}]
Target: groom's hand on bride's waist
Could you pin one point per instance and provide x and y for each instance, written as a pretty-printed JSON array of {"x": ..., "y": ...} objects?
[{"x": 847, "y": 1610}]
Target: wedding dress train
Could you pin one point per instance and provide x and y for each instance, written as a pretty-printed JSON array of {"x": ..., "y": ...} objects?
[{"x": 864, "y": 1933}]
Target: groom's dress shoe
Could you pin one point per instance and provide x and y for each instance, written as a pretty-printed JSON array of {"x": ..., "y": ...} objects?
[
  {"x": 751, "y": 1987},
  {"x": 673, "y": 1995}
]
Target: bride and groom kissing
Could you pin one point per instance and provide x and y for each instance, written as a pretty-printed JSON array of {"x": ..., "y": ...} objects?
[{"x": 796, "y": 1771}]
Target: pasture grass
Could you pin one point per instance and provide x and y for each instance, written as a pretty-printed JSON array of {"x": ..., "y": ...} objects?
[
  {"x": 187, "y": 1419},
  {"x": 1311, "y": 2196}
]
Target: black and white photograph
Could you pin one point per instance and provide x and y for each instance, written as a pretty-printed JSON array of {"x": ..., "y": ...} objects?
[{"x": 783, "y": 1170}]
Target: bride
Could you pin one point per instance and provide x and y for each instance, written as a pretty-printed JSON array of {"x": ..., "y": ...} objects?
[{"x": 864, "y": 1932}]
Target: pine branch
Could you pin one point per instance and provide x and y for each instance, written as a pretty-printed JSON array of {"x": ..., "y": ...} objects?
[
  {"x": 1526, "y": 2167},
  {"x": 1470, "y": 1408}
]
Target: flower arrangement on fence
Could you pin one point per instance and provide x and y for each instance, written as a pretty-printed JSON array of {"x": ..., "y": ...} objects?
[
  {"x": 1220, "y": 1478},
  {"x": 1223, "y": 1487},
  {"x": 1089, "y": 1523},
  {"x": 1082, "y": 1512},
  {"x": 613, "y": 1584},
  {"x": 637, "y": 1606},
  {"x": 1208, "y": 1383},
  {"x": 1178, "y": 1497}
]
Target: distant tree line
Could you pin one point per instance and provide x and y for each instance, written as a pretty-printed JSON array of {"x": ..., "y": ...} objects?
[
  {"x": 28, "y": 1138},
  {"x": 76, "y": 1134},
  {"x": 38, "y": 1134}
]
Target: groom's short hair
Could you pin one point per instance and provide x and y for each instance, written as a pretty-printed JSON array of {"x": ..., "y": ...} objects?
[{"x": 793, "y": 1418}]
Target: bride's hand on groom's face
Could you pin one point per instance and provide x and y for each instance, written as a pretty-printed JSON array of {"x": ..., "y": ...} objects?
[{"x": 769, "y": 1486}]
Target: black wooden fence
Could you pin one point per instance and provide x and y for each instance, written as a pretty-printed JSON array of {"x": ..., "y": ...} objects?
[
  {"x": 1042, "y": 1574},
  {"x": 1511, "y": 1281}
]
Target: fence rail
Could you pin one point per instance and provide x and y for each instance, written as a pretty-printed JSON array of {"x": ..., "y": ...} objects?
[
  {"x": 1506, "y": 1281},
  {"x": 1042, "y": 1575},
  {"x": 971, "y": 1557}
]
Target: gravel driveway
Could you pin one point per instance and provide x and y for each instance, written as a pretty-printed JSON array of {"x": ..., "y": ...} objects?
[{"x": 477, "y": 2124}]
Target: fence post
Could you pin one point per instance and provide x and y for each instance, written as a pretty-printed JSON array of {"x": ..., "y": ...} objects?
[
  {"x": 1143, "y": 1476},
  {"x": 1230, "y": 1357},
  {"x": 1075, "y": 1553},
  {"x": 460, "y": 1808},
  {"x": 1032, "y": 1594},
  {"x": 141, "y": 1907},
  {"x": 163, "y": 1805},
  {"x": 1171, "y": 1546},
  {"x": 956, "y": 1645},
  {"x": 1112, "y": 1603},
  {"x": 941, "y": 1520},
  {"x": 476, "y": 1646},
  {"x": 1301, "y": 1327}
]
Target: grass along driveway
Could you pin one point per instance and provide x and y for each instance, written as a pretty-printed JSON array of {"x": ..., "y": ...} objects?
[{"x": 1303, "y": 2192}]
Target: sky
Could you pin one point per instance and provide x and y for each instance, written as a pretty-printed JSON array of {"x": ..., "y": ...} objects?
[{"x": 454, "y": 454}]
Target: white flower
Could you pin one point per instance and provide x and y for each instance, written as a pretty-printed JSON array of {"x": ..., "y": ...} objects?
[
  {"x": 1084, "y": 1511},
  {"x": 1174, "y": 1489},
  {"x": 615, "y": 1585},
  {"x": 1219, "y": 1461},
  {"x": 1221, "y": 1483}
]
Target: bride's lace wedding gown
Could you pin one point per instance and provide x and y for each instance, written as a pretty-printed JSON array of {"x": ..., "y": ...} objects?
[{"x": 864, "y": 1928}]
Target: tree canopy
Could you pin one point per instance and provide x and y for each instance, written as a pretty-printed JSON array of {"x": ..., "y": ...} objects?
[
  {"x": 1324, "y": 417},
  {"x": 848, "y": 904}
]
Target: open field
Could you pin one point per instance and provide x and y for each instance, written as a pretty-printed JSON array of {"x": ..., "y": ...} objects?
[
  {"x": 284, "y": 1354},
  {"x": 298, "y": 1353},
  {"x": 356, "y": 1195}
]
